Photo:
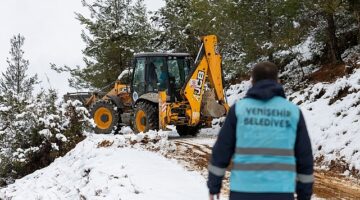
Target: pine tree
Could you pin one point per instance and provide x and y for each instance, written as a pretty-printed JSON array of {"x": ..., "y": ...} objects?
[
  {"x": 253, "y": 30},
  {"x": 354, "y": 6},
  {"x": 228, "y": 25},
  {"x": 248, "y": 30},
  {"x": 115, "y": 30},
  {"x": 182, "y": 23},
  {"x": 267, "y": 26},
  {"x": 15, "y": 80},
  {"x": 328, "y": 11},
  {"x": 35, "y": 131}
]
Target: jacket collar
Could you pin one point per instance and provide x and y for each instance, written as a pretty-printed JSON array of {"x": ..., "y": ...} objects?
[{"x": 265, "y": 89}]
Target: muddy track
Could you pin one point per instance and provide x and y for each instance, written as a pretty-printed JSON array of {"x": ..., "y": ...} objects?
[{"x": 328, "y": 185}]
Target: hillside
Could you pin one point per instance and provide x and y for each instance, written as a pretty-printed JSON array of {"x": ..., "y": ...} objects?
[{"x": 332, "y": 112}]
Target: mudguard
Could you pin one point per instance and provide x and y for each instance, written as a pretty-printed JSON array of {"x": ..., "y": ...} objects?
[
  {"x": 152, "y": 97},
  {"x": 116, "y": 101}
]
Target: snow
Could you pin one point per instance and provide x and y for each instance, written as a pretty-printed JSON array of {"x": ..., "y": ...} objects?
[
  {"x": 267, "y": 45},
  {"x": 301, "y": 55},
  {"x": 351, "y": 56},
  {"x": 237, "y": 91},
  {"x": 333, "y": 125},
  {"x": 61, "y": 137},
  {"x": 296, "y": 24},
  {"x": 108, "y": 167},
  {"x": 308, "y": 48},
  {"x": 45, "y": 132},
  {"x": 5, "y": 108},
  {"x": 125, "y": 73}
]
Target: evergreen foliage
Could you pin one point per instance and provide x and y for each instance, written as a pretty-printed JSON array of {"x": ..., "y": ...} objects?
[
  {"x": 15, "y": 80},
  {"x": 183, "y": 22},
  {"x": 33, "y": 129},
  {"x": 249, "y": 31},
  {"x": 354, "y": 7},
  {"x": 255, "y": 30},
  {"x": 114, "y": 31}
]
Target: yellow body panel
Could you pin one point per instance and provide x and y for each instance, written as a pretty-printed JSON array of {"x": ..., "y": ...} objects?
[
  {"x": 208, "y": 68},
  {"x": 194, "y": 91},
  {"x": 163, "y": 110},
  {"x": 119, "y": 89}
]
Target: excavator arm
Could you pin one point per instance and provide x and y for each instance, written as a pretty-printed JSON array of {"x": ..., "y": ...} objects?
[
  {"x": 213, "y": 58},
  {"x": 200, "y": 105},
  {"x": 208, "y": 66}
]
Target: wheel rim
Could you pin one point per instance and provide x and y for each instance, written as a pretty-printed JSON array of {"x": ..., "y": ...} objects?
[
  {"x": 140, "y": 120},
  {"x": 103, "y": 118}
]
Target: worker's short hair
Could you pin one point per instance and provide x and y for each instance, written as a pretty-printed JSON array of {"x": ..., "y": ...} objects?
[{"x": 264, "y": 71}]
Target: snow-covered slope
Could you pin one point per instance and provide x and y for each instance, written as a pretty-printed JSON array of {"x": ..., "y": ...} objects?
[
  {"x": 332, "y": 113},
  {"x": 237, "y": 91},
  {"x": 112, "y": 167}
]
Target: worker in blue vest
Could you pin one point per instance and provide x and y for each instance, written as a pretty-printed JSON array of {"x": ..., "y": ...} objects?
[{"x": 265, "y": 137}]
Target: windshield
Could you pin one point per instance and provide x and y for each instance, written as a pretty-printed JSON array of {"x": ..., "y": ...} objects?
[
  {"x": 156, "y": 73},
  {"x": 179, "y": 69}
]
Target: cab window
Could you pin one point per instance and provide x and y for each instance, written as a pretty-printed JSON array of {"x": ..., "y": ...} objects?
[
  {"x": 139, "y": 76},
  {"x": 157, "y": 74},
  {"x": 179, "y": 69}
]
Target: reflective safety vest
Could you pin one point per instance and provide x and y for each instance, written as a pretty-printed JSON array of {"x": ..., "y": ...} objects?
[{"x": 264, "y": 160}]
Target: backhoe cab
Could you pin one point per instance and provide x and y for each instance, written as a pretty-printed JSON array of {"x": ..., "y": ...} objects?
[
  {"x": 165, "y": 89},
  {"x": 155, "y": 73}
]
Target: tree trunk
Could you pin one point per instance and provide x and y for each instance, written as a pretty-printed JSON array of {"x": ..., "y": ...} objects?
[
  {"x": 335, "y": 55},
  {"x": 354, "y": 6},
  {"x": 270, "y": 32},
  {"x": 357, "y": 15}
]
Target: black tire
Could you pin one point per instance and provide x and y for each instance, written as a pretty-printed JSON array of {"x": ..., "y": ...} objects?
[
  {"x": 184, "y": 130},
  {"x": 109, "y": 119},
  {"x": 146, "y": 117}
]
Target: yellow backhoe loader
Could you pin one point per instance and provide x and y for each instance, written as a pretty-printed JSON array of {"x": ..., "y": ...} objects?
[{"x": 165, "y": 89}]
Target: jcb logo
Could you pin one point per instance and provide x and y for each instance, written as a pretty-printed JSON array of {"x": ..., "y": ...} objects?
[{"x": 199, "y": 83}]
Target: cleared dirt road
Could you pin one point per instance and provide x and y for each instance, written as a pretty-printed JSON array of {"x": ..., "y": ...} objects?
[{"x": 194, "y": 154}]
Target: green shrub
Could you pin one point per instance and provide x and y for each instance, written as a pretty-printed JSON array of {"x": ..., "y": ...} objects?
[{"x": 35, "y": 131}]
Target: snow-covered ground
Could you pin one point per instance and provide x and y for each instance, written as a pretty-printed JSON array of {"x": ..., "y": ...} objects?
[
  {"x": 332, "y": 113},
  {"x": 112, "y": 167}
]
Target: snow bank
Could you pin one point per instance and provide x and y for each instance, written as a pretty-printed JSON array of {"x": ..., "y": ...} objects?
[
  {"x": 351, "y": 56},
  {"x": 332, "y": 113},
  {"x": 112, "y": 167},
  {"x": 237, "y": 91}
]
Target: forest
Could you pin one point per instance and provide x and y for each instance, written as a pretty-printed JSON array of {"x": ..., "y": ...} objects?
[{"x": 300, "y": 36}]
